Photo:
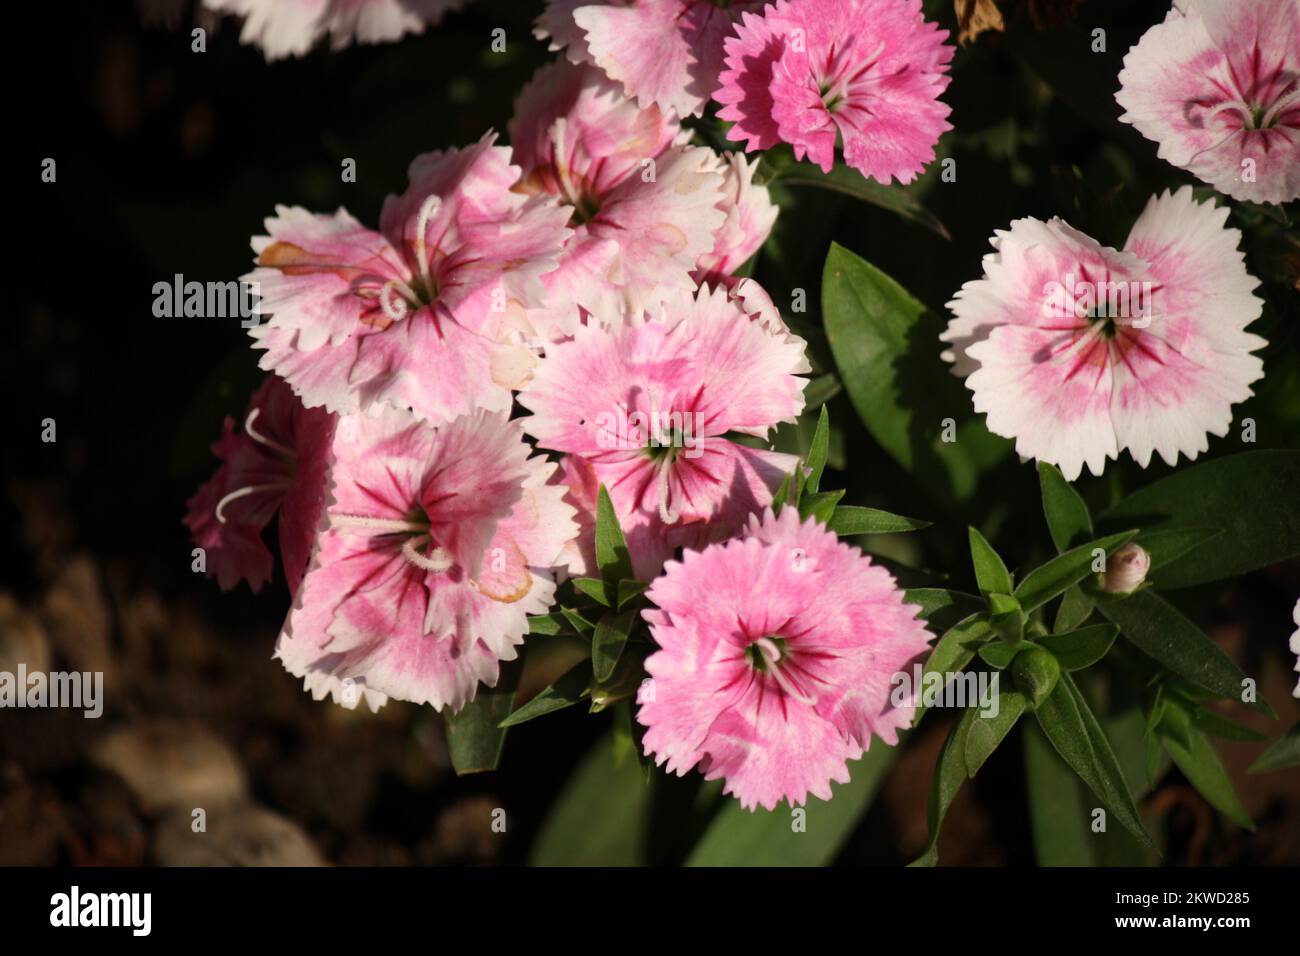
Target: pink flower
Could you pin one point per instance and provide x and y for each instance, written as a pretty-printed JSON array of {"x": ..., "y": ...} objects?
[
  {"x": 750, "y": 217},
  {"x": 1217, "y": 85},
  {"x": 416, "y": 315},
  {"x": 1295, "y": 644},
  {"x": 665, "y": 53},
  {"x": 777, "y": 652},
  {"x": 867, "y": 71},
  {"x": 644, "y": 206},
  {"x": 1077, "y": 350},
  {"x": 277, "y": 465},
  {"x": 439, "y": 544},
  {"x": 647, "y": 404},
  {"x": 292, "y": 27}
]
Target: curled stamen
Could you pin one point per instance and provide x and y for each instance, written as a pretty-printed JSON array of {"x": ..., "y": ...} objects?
[
  {"x": 440, "y": 560},
  {"x": 1238, "y": 105},
  {"x": 428, "y": 209},
  {"x": 243, "y": 492},
  {"x": 381, "y": 525},
  {"x": 258, "y": 437},
  {"x": 666, "y": 514},
  {"x": 772, "y": 654},
  {"x": 395, "y": 312}
]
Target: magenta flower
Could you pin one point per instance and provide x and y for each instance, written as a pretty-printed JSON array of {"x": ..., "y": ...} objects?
[
  {"x": 1078, "y": 351},
  {"x": 292, "y": 27},
  {"x": 644, "y": 206},
  {"x": 866, "y": 71},
  {"x": 665, "y": 53},
  {"x": 278, "y": 465},
  {"x": 417, "y": 315},
  {"x": 750, "y": 216},
  {"x": 439, "y": 544},
  {"x": 777, "y": 652},
  {"x": 647, "y": 404},
  {"x": 1217, "y": 85}
]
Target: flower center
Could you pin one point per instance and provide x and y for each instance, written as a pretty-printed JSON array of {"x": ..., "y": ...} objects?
[
  {"x": 770, "y": 655},
  {"x": 419, "y": 547}
]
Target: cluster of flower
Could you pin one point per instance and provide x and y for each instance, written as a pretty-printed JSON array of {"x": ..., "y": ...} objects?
[{"x": 586, "y": 274}]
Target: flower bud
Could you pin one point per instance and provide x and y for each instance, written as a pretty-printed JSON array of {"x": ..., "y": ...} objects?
[
  {"x": 1035, "y": 672},
  {"x": 1126, "y": 569}
]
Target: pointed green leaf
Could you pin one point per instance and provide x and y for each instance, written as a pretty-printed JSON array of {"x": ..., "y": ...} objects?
[
  {"x": 1202, "y": 767},
  {"x": 1216, "y": 725},
  {"x": 1065, "y": 570},
  {"x": 941, "y": 608},
  {"x": 1076, "y": 607},
  {"x": 987, "y": 733},
  {"x": 1159, "y": 630},
  {"x": 1000, "y": 654},
  {"x": 594, "y": 588},
  {"x": 612, "y": 556},
  {"x": 1067, "y": 516},
  {"x": 546, "y": 624},
  {"x": 1082, "y": 648},
  {"x": 1069, "y": 724},
  {"x": 1166, "y": 547},
  {"x": 476, "y": 735},
  {"x": 820, "y": 505},
  {"x": 949, "y": 775},
  {"x": 851, "y": 519},
  {"x": 990, "y": 572},
  {"x": 1284, "y": 752},
  {"x": 629, "y": 590},
  {"x": 565, "y": 692},
  {"x": 1058, "y": 814},
  {"x": 818, "y": 450},
  {"x": 578, "y": 621},
  {"x": 608, "y": 641},
  {"x": 954, "y": 651}
]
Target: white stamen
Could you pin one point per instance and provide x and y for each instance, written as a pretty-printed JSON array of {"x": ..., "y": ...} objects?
[
  {"x": 262, "y": 439},
  {"x": 381, "y": 525},
  {"x": 771, "y": 653},
  {"x": 243, "y": 492},
  {"x": 440, "y": 560},
  {"x": 558, "y": 130},
  {"x": 1237, "y": 105},
  {"x": 428, "y": 209},
  {"x": 397, "y": 311},
  {"x": 1279, "y": 108},
  {"x": 666, "y": 514}
]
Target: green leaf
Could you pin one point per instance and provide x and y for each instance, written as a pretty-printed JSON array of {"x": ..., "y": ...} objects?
[
  {"x": 630, "y": 590},
  {"x": 884, "y": 342},
  {"x": 954, "y": 651},
  {"x": 818, "y": 450},
  {"x": 546, "y": 624},
  {"x": 941, "y": 608},
  {"x": 1058, "y": 815},
  {"x": 1064, "y": 571},
  {"x": 1284, "y": 752},
  {"x": 1082, "y": 648},
  {"x": 612, "y": 555},
  {"x": 820, "y": 505},
  {"x": 1159, "y": 630},
  {"x": 1076, "y": 607},
  {"x": 476, "y": 735},
  {"x": 987, "y": 733},
  {"x": 599, "y": 818},
  {"x": 949, "y": 775},
  {"x": 1201, "y": 766},
  {"x": 740, "y": 837},
  {"x": 851, "y": 519},
  {"x": 1067, "y": 515},
  {"x": 578, "y": 621},
  {"x": 1216, "y": 725},
  {"x": 1251, "y": 495},
  {"x": 849, "y": 182},
  {"x": 1070, "y": 725},
  {"x": 1166, "y": 547},
  {"x": 565, "y": 692},
  {"x": 594, "y": 588},
  {"x": 821, "y": 390},
  {"x": 1000, "y": 654},
  {"x": 608, "y": 642},
  {"x": 990, "y": 572}
]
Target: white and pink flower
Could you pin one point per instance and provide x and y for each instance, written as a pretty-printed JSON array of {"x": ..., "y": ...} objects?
[
  {"x": 1078, "y": 351},
  {"x": 866, "y": 72},
  {"x": 750, "y": 216},
  {"x": 418, "y": 315},
  {"x": 1217, "y": 85},
  {"x": 647, "y": 402},
  {"x": 776, "y": 660},
  {"x": 438, "y": 545},
  {"x": 293, "y": 27}
]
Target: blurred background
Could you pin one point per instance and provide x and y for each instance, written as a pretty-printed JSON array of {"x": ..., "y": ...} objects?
[{"x": 168, "y": 160}]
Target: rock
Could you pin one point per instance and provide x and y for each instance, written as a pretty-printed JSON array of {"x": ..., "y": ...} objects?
[
  {"x": 238, "y": 834},
  {"x": 170, "y": 764}
]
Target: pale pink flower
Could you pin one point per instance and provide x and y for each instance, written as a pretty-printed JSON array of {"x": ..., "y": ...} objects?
[
  {"x": 1078, "y": 351},
  {"x": 1295, "y": 644},
  {"x": 866, "y": 71},
  {"x": 292, "y": 27},
  {"x": 666, "y": 53},
  {"x": 776, "y": 661},
  {"x": 644, "y": 205},
  {"x": 1217, "y": 85},
  {"x": 647, "y": 404},
  {"x": 750, "y": 217},
  {"x": 417, "y": 314},
  {"x": 439, "y": 544},
  {"x": 278, "y": 465}
]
